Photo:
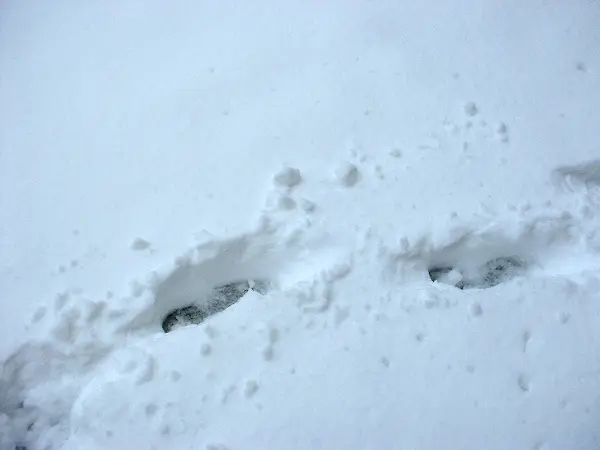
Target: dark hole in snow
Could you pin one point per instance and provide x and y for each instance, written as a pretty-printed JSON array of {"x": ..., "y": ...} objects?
[
  {"x": 446, "y": 275},
  {"x": 221, "y": 298},
  {"x": 491, "y": 274},
  {"x": 436, "y": 273},
  {"x": 501, "y": 269}
]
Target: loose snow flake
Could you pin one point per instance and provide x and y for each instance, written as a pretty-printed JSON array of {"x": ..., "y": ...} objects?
[
  {"x": 251, "y": 388},
  {"x": 175, "y": 376},
  {"x": 502, "y": 132},
  {"x": 38, "y": 314},
  {"x": 563, "y": 317},
  {"x": 216, "y": 447},
  {"x": 273, "y": 335},
  {"x": 151, "y": 409},
  {"x": 286, "y": 203},
  {"x": 523, "y": 382},
  {"x": 139, "y": 244},
  {"x": 347, "y": 175},
  {"x": 471, "y": 109},
  {"x": 226, "y": 393},
  {"x": 205, "y": 349},
  {"x": 476, "y": 310},
  {"x": 268, "y": 353},
  {"x": 211, "y": 332},
  {"x": 288, "y": 177},
  {"x": 395, "y": 153},
  {"x": 307, "y": 205}
]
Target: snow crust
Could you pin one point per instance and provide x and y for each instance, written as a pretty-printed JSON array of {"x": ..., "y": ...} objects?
[{"x": 365, "y": 224}]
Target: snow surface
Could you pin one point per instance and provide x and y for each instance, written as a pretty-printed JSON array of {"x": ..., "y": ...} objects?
[{"x": 336, "y": 153}]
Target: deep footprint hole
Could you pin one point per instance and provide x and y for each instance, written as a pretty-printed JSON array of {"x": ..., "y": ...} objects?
[
  {"x": 221, "y": 298},
  {"x": 490, "y": 274}
]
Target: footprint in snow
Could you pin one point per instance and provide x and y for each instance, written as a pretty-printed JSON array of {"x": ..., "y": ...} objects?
[
  {"x": 221, "y": 298},
  {"x": 492, "y": 273}
]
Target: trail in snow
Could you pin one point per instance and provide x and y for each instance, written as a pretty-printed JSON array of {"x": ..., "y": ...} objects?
[
  {"x": 41, "y": 397},
  {"x": 300, "y": 227}
]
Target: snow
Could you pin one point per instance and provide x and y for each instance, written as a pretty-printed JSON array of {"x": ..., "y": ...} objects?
[
  {"x": 296, "y": 173},
  {"x": 288, "y": 177}
]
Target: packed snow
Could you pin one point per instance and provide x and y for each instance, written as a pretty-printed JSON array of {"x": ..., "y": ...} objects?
[{"x": 293, "y": 225}]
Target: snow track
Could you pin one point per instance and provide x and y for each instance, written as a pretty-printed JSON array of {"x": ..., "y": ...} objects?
[
  {"x": 231, "y": 225},
  {"x": 101, "y": 346}
]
